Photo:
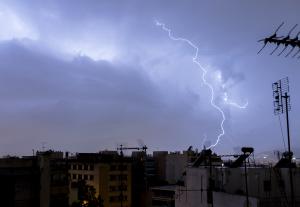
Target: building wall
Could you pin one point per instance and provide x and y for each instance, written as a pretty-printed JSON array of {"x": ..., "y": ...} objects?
[
  {"x": 160, "y": 163},
  {"x": 194, "y": 193},
  {"x": 105, "y": 177},
  {"x": 110, "y": 180},
  {"x": 175, "y": 166},
  {"x": 229, "y": 200},
  {"x": 20, "y": 184},
  {"x": 34, "y": 181},
  {"x": 87, "y": 171},
  {"x": 231, "y": 181}
]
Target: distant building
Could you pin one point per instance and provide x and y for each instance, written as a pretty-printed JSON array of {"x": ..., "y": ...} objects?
[
  {"x": 20, "y": 182},
  {"x": 40, "y": 180},
  {"x": 160, "y": 158},
  {"x": 212, "y": 184},
  {"x": 108, "y": 173},
  {"x": 163, "y": 196}
]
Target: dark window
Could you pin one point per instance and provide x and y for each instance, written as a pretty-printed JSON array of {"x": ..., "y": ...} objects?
[
  {"x": 113, "y": 168},
  {"x": 267, "y": 185},
  {"x": 123, "y": 187},
  {"x": 91, "y": 167},
  {"x": 122, "y": 167},
  {"x": 113, "y": 199},
  {"x": 74, "y": 167},
  {"x": 79, "y": 177},
  {"x": 74, "y": 176},
  {"x": 79, "y": 167},
  {"x": 123, "y": 177},
  {"x": 85, "y": 177},
  {"x": 112, "y": 188},
  {"x": 91, "y": 177},
  {"x": 85, "y": 167},
  {"x": 281, "y": 183},
  {"x": 112, "y": 177}
]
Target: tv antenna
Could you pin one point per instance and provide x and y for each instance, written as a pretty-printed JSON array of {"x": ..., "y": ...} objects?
[
  {"x": 282, "y": 105},
  {"x": 286, "y": 41}
]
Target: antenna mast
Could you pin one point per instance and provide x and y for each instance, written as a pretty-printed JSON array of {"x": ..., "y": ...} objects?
[{"x": 282, "y": 105}]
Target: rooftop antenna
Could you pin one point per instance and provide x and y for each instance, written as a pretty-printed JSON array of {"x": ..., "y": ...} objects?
[
  {"x": 286, "y": 41},
  {"x": 293, "y": 43},
  {"x": 270, "y": 38},
  {"x": 282, "y": 105}
]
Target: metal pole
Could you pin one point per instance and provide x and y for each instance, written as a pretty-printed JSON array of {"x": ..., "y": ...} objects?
[
  {"x": 211, "y": 181},
  {"x": 289, "y": 148},
  {"x": 246, "y": 183},
  {"x": 121, "y": 176}
]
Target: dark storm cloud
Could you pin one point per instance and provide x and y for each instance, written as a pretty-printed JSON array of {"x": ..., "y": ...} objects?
[
  {"x": 84, "y": 104},
  {"x": 86, "y": 75}
]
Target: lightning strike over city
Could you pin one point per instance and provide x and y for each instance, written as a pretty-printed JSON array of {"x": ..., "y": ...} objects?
[
  {"x": 103, "y": 107},
  {"x": 196, "y": 60}
]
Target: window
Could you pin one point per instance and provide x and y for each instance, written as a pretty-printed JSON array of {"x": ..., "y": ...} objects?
[
  {"x": 113, "y": 199},
  {"x": 123, "y": 187},
  {"x": 79, "y": 167},
  {"x": 91, "y": 167},
  {"x": 112, "y": 188},
  {"x": 74, "y": 176},
  {"x": 281, "y": 183},
  {"x": 123, "y": 177},
  {"x": 123, "y": 167},
  {"x": 85, "y": 167},
  {"x": 113, "y": 177},
  {"x": 85, "y": 177},
  {"x": 113, "y": 168},
  {"x": 267, "y": 185},
  {"x": 91, "y": 177},
  {"x": 79, "y": 177},
  {"x": 74, "y": 167}
]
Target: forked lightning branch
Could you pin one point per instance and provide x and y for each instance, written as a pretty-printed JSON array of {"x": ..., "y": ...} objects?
[{"x": 205, "y": 82}]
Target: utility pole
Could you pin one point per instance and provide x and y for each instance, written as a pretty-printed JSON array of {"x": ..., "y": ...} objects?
[
  {"x": 121, "y": 175},
  {"x": 246, "y": 182},
  {"x": 211, "y": 182},
  {"x": 281, "y": 105}
]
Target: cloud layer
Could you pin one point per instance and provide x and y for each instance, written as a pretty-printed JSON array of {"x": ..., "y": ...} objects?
[{"x": 86, "y": 76}]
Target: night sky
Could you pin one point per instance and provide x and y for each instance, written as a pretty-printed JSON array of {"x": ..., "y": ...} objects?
[{"x": 91, "y": 75}]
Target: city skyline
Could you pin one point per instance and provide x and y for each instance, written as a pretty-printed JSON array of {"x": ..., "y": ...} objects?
[{"x": 88, "y": 76}]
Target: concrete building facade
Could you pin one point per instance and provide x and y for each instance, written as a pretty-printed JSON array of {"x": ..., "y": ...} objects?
[
  {"x": 108, "y": 174},
  {"x": 40, "y": 180}
]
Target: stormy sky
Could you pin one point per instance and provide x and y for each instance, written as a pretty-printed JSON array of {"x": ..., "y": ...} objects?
[{"x": 90, "y": 75}]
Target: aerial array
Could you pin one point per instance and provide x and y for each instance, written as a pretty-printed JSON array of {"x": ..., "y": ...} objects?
[{"x": 285, "y": 41}]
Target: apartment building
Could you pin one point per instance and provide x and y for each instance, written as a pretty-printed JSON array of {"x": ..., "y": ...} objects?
[{"x": 108, "y": 174}]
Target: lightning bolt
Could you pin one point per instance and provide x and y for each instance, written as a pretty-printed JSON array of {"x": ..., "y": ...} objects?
[
  {"x": 204, "y": 72},
  {"x": 229, "y": 102}
]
